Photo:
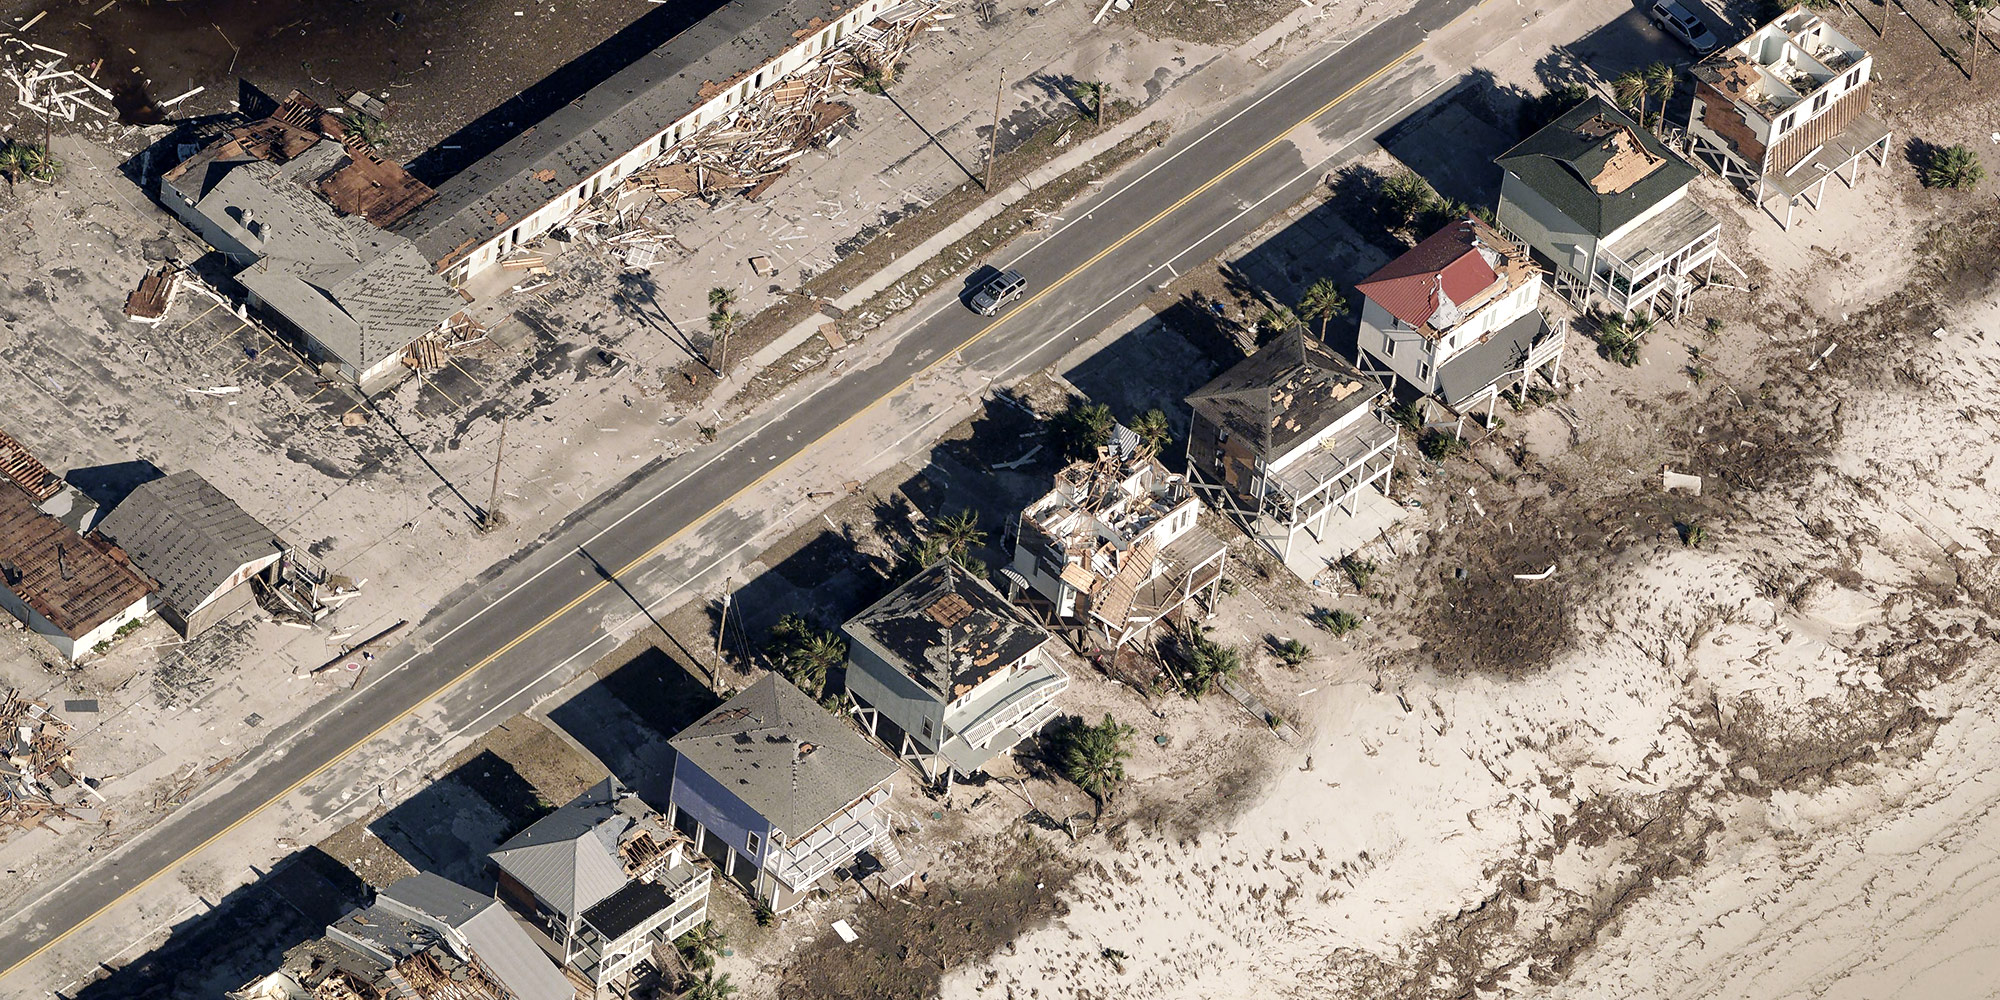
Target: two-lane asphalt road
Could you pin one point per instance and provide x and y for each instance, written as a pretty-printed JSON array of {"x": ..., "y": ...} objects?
[{"x": 1183, "y": 203}]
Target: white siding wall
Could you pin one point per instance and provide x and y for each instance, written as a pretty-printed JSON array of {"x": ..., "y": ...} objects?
[
  {"x": 1412, "y": 357},
  {"x": 545, "y": 218}
]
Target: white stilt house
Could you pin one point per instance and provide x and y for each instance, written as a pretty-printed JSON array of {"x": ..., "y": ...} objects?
[
  {"x": 1786, "y": 109},
  {"x": 1457, "y": 318},
  {"x": 1115, "y": 547},
  {"x": 1289, "y": 440}
]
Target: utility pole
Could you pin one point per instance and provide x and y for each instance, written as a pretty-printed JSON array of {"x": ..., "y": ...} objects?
[
  {"x": 993, "y": 141},
  {"x": 493, "y": 500}
]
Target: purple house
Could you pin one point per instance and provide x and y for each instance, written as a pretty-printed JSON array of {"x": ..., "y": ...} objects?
[{"x": 778, "y": 791}]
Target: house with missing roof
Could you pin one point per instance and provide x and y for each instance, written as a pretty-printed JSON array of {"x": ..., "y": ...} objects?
[
  {"x": 1608, "y": 207},
  {"x": 1785, "y": 109},
  {"x": 52, "y": 494},
  {"x": 778, "y": 791},
  {"x": 1458, "y": 318},
  {"x": 297, "y": 205},
  {"x": 74, "y": 590},
  {"x": 1115, "y": 546},
  {"x": 423, "y": 938},
  {"x": 1291, "y": 440},
  {"x": 947, "y": 671},
  {"x": 700, "y": 75},
  {"x": 603, "y": 881},
  {"x": 198, "y": 544}
]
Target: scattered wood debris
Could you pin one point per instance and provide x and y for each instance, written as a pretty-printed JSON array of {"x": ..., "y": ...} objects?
[
  {"x": 149, "y": 302},
  {"x": 38, "y": 767}
]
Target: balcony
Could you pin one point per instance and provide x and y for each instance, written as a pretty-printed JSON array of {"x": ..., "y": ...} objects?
[
  {"x": 1035, "y": 682},
  {"x": 830, "y": 845}
]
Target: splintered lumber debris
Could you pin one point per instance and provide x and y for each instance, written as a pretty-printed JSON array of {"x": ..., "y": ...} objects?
[{"x": 38, "y": 765}]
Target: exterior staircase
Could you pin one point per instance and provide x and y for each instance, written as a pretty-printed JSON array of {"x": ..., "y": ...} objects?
[{"x": 895, "y": 871}]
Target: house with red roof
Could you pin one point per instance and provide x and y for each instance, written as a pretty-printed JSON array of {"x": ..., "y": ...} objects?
[{"x": 1458, "y": 318}]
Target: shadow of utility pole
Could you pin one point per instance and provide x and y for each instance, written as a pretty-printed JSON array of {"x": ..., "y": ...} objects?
[
  {"x": 478, "y": 513},
  {"x": 969, "y": 175},
  {"x": 605, "y": 572}
]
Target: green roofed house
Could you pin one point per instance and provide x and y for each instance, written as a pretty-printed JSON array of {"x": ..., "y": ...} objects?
[{"x": 1608, "y": 206}]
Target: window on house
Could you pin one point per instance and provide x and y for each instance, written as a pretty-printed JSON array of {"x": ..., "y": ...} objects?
[
  {"x": 1424, "y": 371},
  {"x": 1819, "y": 102},
  {"x": 751, "y": 842},
  {"x": 1853, "y": 80},
  {"x": 760, "y": 80},
  {"x": 929, "y": 730},
  {"x": 1388, "y": 347},
  {"x": 1785, "y": 124}
]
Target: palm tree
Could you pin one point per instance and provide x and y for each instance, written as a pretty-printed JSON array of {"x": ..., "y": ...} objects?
[
  {"x": 699, "y": 946},
  {"x": 804, "y": 654},
  {"x": 1660, "y": 83},
  {"x": 1955, "y": 167},
  {"x": 710, "y": 986},
  {"x": 1090, "y": 94},
  {"x": 1322, "y": 301},
  {"x": 31, "y": 160},
  {"x": 1093, "y": 757},
  {"x": 722, "y": 322},
  {"x": 960, "y": 534},
  {"x": 1631, "y": 87},
  {"x": 1082, "y": 429},
  {"x": 1153, "y": 431}
]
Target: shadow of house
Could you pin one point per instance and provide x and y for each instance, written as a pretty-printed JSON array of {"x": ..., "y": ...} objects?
[
  {"x": 1173, "y": 356},
  {"x": 1451, "y": 142},
  {"x": 521, "y": 112},
  {"x": 244, "y": 933},
  {"x": 450, "y": 825},
  {"x": 110, "y": 484},
  {"x": 632, "y": 749}
]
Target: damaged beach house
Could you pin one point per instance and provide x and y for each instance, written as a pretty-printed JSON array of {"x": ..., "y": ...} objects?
[
  {"x": 1607, "y": 206},
  {"x": 297, "y": 202},
  {"x": 1290, "y": 440},
  {"x": 423, "y": 938},
  {"x": 1114, "y": 547},
  {"x": 723, "y": 106},
  {"x": 1786, "y": 108},
  {"x": 52, "y": 494},
  {"x": 198, "y": 544},
  {"x": 605, "y": 884},
  {"x": 780, "y": 793},
  {"x": 1457, "y": 319},
  {"x": 950, "y": 673},
  {"x": 75, "y": 590}
]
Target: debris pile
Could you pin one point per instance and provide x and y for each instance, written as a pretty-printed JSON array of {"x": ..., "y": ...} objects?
[
  {"x": 434, "y": 350},
  {"x": 306, "y": 591},
  {"x": 745, "y": 151},
  {"x": 44, "y": 86},
  {"x": 149, "y": 302},
  {"x": 38, "y": 762}
]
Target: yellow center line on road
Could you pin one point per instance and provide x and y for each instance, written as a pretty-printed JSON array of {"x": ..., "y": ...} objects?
[{"x": 656, "y": 549}]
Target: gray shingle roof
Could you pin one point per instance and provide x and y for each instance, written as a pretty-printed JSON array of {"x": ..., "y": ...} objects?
[
  {"x": 360, "y": 292},
  {"x": 792, "y": 761},
  {"x": 611, "y": 120},
  {"x": 946, "y": 629},
  {"x": 1501, "y": 351},
  {"x": 1558, "y": 162},
  {"x": 490, "y": 933},
  {"x": 1289, "y": 390},
  {"x": 184, "y": 533},
  {"x": 569, "y": 858}
]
